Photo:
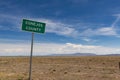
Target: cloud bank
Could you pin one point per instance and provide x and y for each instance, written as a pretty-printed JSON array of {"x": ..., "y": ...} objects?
[{"x": 54, "y": 48}]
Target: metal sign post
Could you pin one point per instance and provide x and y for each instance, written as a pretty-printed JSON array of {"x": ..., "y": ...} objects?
[
  {"x": 32, "y": 26},
  {"x": 30, "y": 69}
]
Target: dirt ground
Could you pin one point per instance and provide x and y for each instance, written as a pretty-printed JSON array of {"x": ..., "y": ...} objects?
[{"x": 61, "y": 68}]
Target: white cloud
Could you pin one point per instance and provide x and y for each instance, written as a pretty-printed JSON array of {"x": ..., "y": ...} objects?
[
  {"x": 13, "y": 23},
  {"x": 54, "y": 48},
  {"x": 73, "y": 48},
  {"x": 116, "y": 21},
  {"x": 59, "y": 28},
  {"x": 104, "y": 31},
  {"x": 88, "y": 40},
  {"x": 13, "y": 49},
  {"x": 68, "y": 30},
  {"x": 107, "y": 31},
  {"x": 51, "y": 26}
]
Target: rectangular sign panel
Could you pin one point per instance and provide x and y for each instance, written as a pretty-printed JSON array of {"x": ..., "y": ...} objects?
[{"x": 33, "y": 26}]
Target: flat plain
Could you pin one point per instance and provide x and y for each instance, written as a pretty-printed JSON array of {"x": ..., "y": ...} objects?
[{"x": 61, "y": 68}]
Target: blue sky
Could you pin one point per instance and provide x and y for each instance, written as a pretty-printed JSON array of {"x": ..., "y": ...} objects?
[{"x": 87, "y": 26}]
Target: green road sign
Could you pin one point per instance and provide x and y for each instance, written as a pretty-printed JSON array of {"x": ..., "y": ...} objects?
[{"x": 33, "y": 26}]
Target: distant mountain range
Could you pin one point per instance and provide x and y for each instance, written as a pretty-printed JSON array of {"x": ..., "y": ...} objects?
[
  {"x": 72, "y": 54},
  {"x": 84, "y": 54},
  {"x": 113, "y": 55},
  {"x": 75, "y": 54}
]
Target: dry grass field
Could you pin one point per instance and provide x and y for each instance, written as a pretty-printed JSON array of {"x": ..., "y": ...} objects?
[{"x": 61, "y": 68}]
